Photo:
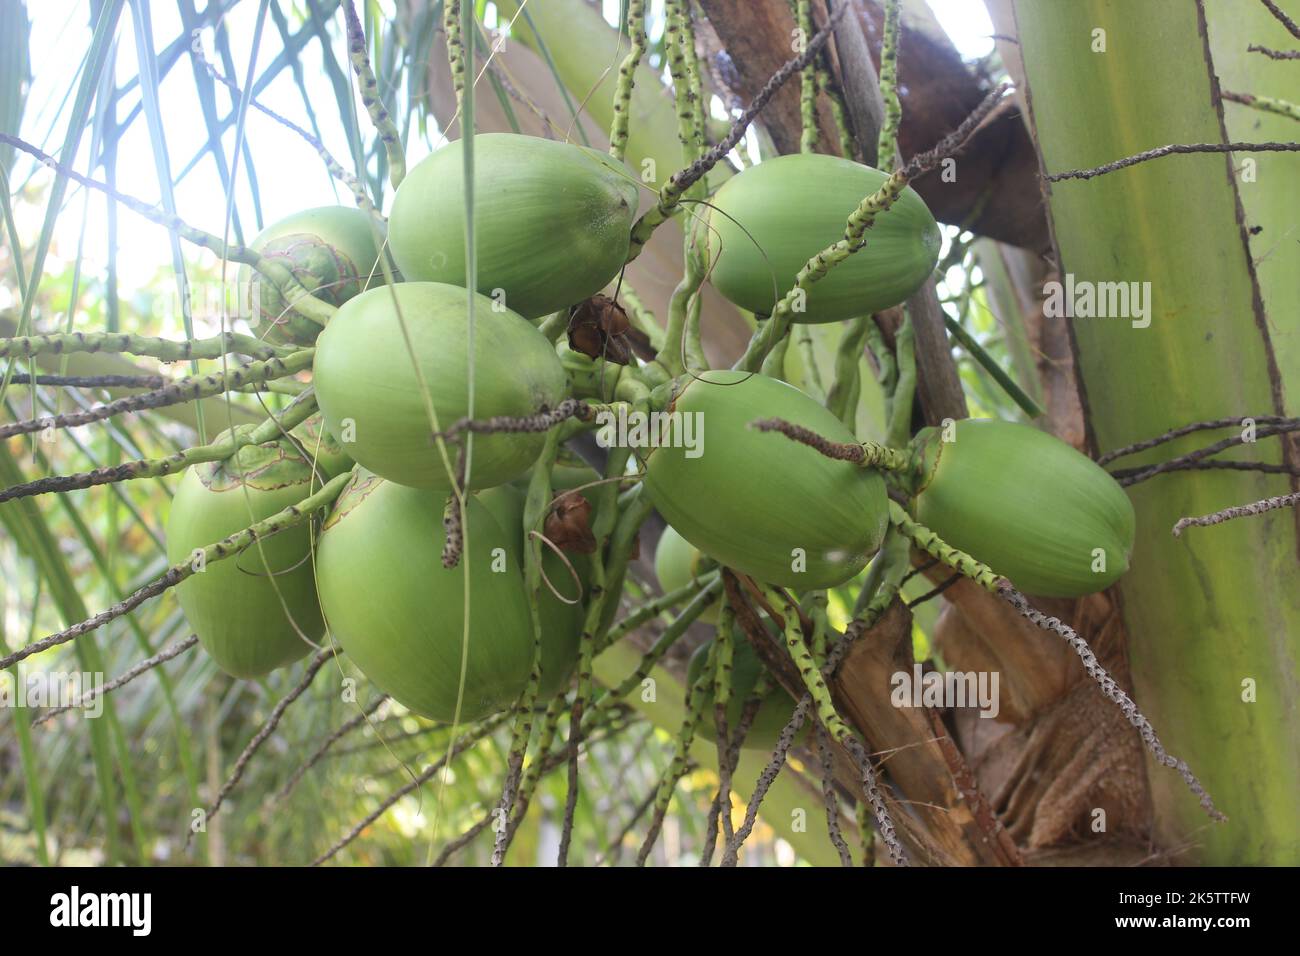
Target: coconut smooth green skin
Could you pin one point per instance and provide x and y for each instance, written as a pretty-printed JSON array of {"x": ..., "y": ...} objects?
[
  {"x": 1026, "y": 504},
  {"x": 373, "y": 401},
  {"x": 399, "y": 614},
  {"x": 234, "y": 606},
  {"x": 330, "y": 250},
  {"x": 773, "y": 713},
  {"x": 552, "y": 220},
  {"x": 772, "y": 218},
  {"x": 758, "y": 502},
  {"x": 677, "y": 564}
]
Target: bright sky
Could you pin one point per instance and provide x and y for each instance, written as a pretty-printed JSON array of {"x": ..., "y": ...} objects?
[{"x": 290, "y": 175}]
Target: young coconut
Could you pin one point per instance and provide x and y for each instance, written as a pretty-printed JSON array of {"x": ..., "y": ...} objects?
[
  {"x": 553, "y": 220},
  {"x": 1026, "y": 504},
  {"x": 773, "y": 713},
  {"x": 399, "y": 614},
  {"x": 756, "y": 501},
  {"x": 258, "y": 610},
  {"x": 330, "y": 250},
  {"x": 374, "y": 402},
  {"x": 771, "y": 219},
  {"x": 677, "y": 564}
]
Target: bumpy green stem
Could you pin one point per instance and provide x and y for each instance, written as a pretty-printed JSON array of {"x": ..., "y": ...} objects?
[
  {"x": 606, "y": 508},
  {"x": 694, "y": 77},
  {"x": 660, "y": 647},
  {"x": 1267, "y": 104},
  {"x": 680, "y": 83},
  {"x": 627, "y": 79},
  {"x": 185, "y": 390},
  {"x": 297, "y": 412},
  {"x": 368, "y": 87},
  {"x": 724, "y": 644},
  {"x": 807, "y": 82},
  {"x": 696, "y": 700},
  {"x": 164, "y": 350},
  {"x": 227, "y": 547},
  {"x": 926, "y": 540},
  {"x": 535, "y": 506},
  {"x": 887, "y": 148},
  {"x": 824, "y": 706},
  {"x": 653, "y": 608},
  {"x": 868, "y": 454},
  {"x": 678, "y": 184},
  {"x": 838, "y": 112},
  {"x": 533, "y": 773}
]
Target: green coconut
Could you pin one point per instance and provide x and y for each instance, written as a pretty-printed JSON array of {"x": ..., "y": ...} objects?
[
  {"x": 255, "y": 611},
  {"x": 1026, "y": 504},
  {"x": 320, "y": 446},
  {"x": 771, "y": 219},
  {"x": 773, "y": 713},
  {"x": 330, "y": 250},
  {"x": 759, "y": 502},
  {"x": 552, "y": 220},
  {"x": 374, "y": 402},
  {"x": 677, "y": 564},
  {"x": 399, "y": 614}
]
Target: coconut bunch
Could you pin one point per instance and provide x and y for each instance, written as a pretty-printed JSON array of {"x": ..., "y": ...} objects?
[{"x": 415, "y": 507}]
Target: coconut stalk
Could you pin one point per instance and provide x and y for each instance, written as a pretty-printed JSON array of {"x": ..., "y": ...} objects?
[{"x": 1209, "y": 616}]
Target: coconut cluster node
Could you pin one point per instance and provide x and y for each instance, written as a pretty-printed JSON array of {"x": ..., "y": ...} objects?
[{"x": 552, "y": 224}]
